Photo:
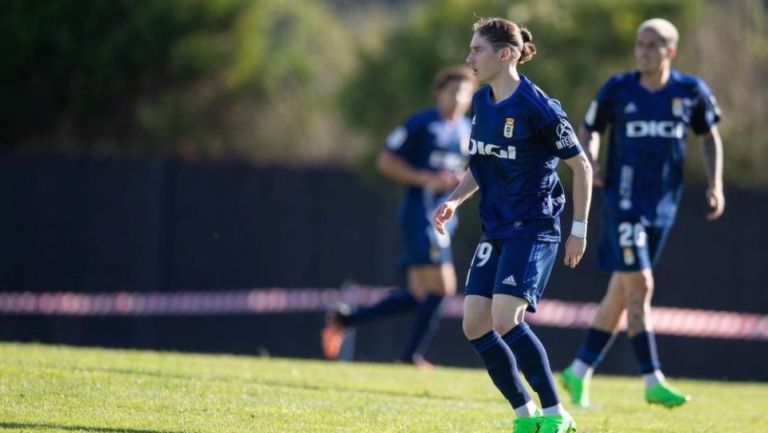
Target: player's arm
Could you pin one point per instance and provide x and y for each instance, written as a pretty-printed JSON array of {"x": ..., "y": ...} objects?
[
  {"x": 582, "y": 196},
  {"x": 463, "y": 191},
  {"x": 712, "y": 156},
  {"x": 397, "y": 168},
  {"x": 591, "y": 139}
]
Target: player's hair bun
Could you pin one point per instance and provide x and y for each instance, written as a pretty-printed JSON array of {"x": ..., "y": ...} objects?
[{"x": 529, "y": 49}]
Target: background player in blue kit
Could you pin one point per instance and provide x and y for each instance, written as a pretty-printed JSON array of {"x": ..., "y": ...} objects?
[
  {"x": 518, "y": 136},
  {"x": 426, "y": 154},
  {"x": 650, "y": 111}
]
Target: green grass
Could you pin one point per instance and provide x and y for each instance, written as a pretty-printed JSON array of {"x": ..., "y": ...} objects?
[{"x": 48, "y": 388}]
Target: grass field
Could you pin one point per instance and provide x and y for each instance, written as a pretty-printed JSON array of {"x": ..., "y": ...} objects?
[{"x": 47, "y": 388}]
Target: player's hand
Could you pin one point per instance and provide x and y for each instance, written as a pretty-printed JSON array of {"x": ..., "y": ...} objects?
[
  {"x": 597, "y": 177},
  {"x": 716, "y": 202},
  {"x": 442, "y": 214},
  {"x": 574, "y": 250},
  {"x": 442, "y": 181}
]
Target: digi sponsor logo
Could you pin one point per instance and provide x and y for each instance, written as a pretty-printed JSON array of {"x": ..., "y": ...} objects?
[
  {"x": 477, "y": 147},
  {"x": 442, "y": 160},
  {"x": 566, "y": 136},
  {"x": 655, "y": 128}
]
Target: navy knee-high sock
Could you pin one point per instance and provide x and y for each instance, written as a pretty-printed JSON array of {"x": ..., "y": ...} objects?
[
  {"x": 397, "y": 301},
  {"x": 644, "y": 345},
  {"x": 533, "y": 362},
  {"x": 501, "y": 366},
  {"x": 424, "y": 327},
  {"x": 595, "y": 346}
]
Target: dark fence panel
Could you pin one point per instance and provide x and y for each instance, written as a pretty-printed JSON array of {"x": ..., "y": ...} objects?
[
  {"x": 82, "y": 225},
  {"x": 101, "y": 225}
]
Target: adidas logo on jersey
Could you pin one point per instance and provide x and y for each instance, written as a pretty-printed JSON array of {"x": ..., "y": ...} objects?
[
  {"x": 510, "y": 281},
  {"x": 630, "y": 108}
]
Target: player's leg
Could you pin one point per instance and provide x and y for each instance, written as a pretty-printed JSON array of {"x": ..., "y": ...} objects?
[
  {"x": 524, "y": 269},
  {"x": 496, "y": 356},
  {"x": 639, "y": 291},
  {"x": 420, "y": 249},
  {"x": 618, "y": 251},
  {"x": 433, "y": 283},
  {"x": 638, "y": 288},
  {"x": 424, "y": 252},
  {"x": 605, "y": 325},
  {"x": 396, "y": 301},
  {"x": 431, "y": 277}
]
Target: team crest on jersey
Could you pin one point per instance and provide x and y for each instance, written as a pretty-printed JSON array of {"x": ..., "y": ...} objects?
[
  {"x": 677, "y": 107},
  {"x": 509, "y": 127}
]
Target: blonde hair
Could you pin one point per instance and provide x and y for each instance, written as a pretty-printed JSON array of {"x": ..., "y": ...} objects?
[{"x": 665, "y": 29}]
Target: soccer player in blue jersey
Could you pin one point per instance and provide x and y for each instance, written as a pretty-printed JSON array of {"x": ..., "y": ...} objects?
[
  {"x": 518, "y": 136},
  {"x": 650, "y": 111},
  {"x": 427, "y": 155}
]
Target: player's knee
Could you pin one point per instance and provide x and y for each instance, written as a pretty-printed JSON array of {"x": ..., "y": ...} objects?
[
  {"x": 504, "y": 324},
  {"x": 638, "y": 295},
  {"x": 638, "y": 286},
  {"x": 475, "y": 327}
]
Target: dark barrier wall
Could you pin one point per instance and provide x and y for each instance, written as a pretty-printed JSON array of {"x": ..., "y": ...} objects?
[{"x": 101, "y": 225}]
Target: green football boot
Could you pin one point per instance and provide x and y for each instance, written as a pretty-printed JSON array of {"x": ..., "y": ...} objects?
[
  {"x": 576, "y": 387},
  {"x": 527, "y": 424},
  {"x": 664, "y": 394},
  {"x": 556, "y": 424}
]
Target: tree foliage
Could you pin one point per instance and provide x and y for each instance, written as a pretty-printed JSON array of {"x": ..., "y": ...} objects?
[
  {"x": 579, "y": 45},
  {"x": 211, "y": 78},
  {"x": 302, "y": 82}
]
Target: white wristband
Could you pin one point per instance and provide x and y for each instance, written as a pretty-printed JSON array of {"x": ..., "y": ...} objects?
[{"x": 579, "y": 229}]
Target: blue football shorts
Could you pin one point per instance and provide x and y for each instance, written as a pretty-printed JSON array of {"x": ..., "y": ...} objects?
[
  {"x": 422, "y": 244},
  {"x": 516, "y": 267},
  {"x": 628, "y": 245}
]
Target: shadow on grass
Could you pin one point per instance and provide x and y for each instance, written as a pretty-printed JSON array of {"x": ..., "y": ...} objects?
[{"x": 64, "y": 427}]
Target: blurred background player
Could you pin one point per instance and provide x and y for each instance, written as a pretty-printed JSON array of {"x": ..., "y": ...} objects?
[
  {"x": 426, "y": 154},
  {"x": 518, "y": 136},
  {"x": 650, "y": 111}
]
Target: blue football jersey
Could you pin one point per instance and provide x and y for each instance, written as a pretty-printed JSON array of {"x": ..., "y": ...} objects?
[
  {"x": 429, "y": 142},
  {"x": 644, "y": 170},
  {"x": 514, "y": 152}
]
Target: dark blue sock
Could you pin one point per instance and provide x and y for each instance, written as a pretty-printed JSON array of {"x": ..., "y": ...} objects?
[
  {"x": 533, "y": 362},
  {"x": 397, "y": 301},
  {"x": 425, "y": 326},
  {"x": 502, "y": 368},
  {"x": 595, "y": 346},
  {"x": 644, "y": 345}
]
